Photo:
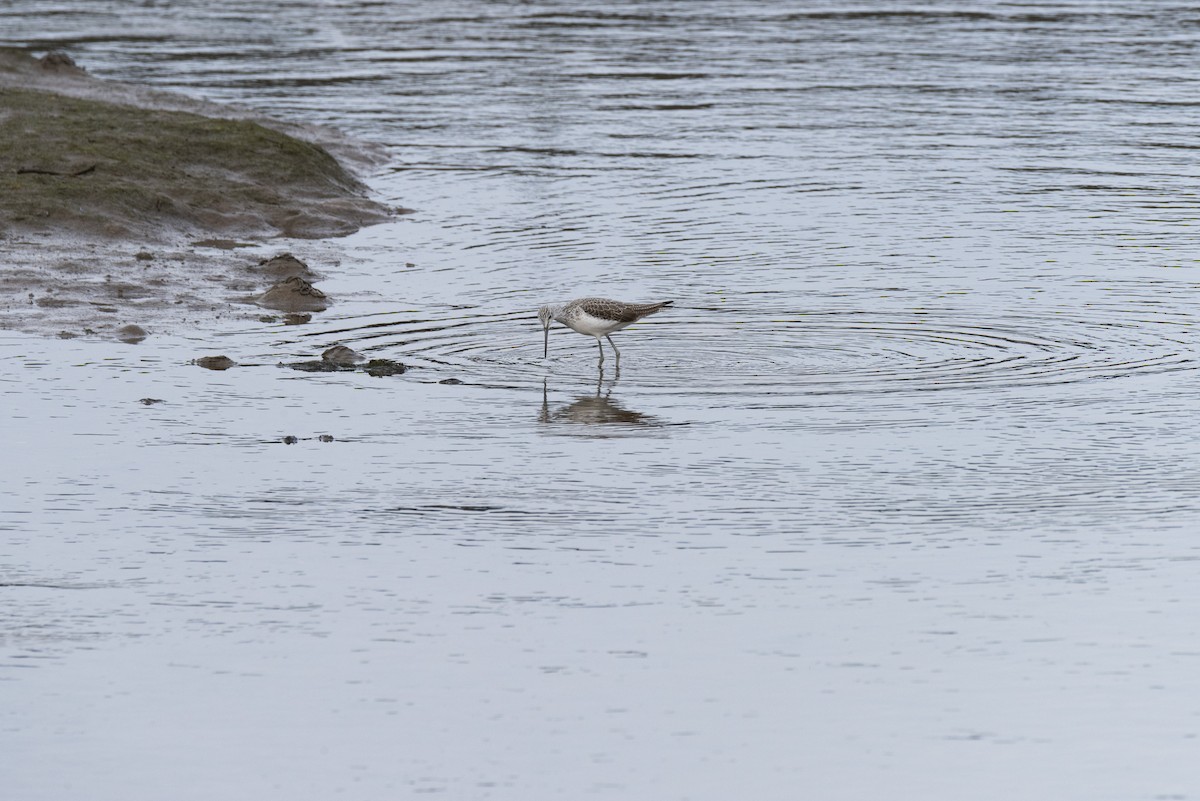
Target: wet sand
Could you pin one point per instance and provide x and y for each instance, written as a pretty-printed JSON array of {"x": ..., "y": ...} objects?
[{"x": 126, "y": 206}]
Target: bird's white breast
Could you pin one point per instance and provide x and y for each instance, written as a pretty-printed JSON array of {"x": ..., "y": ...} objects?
[{"x": 585, "y": 323}]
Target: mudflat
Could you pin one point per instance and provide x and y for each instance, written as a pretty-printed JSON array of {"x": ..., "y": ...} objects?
[{"x": 123, "y": 205}]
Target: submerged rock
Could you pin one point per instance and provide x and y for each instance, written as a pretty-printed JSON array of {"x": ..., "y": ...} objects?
[
  {"x": 450, "y": 381},
  {"x": 150, "y": 401},
  {"x": 287, "y": 319},
  {"x": 318, "y": 366},
  {"x": 215, "y": 362},
  {"x": 58, "y": 61},
  {"x": 292, "y": 440},
  {"x": 293, "y": 294},
  {"x": 376, "y": 367},
  {"x": 384, "y": 367}
]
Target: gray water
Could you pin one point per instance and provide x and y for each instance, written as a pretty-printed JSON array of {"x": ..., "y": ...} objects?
[{"x": 901, "y": 500}]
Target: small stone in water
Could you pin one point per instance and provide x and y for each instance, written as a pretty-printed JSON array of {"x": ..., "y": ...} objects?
[
  {"x": 131, "y": 334},
  {"x": 215, "y": 362},
  {"x": 383, "y": 367},
  {"x": 290, "y": 440},
  {"x": 326, "y": 438}
]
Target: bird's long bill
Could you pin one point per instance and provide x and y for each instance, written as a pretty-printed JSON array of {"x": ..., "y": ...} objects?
[{"x": 546, "y": 349}]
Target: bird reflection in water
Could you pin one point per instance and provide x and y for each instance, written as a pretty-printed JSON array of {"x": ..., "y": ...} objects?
[{"x": 598, "y": 409}]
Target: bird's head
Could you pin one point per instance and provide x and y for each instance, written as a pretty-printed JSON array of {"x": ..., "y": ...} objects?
[{"x": 546, "y": 314}]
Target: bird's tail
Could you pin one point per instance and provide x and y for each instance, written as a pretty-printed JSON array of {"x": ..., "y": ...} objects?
[{"x": 651, "y": 308}]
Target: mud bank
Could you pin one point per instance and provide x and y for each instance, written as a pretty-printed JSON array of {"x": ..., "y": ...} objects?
[{"x": 127, "y": 206}]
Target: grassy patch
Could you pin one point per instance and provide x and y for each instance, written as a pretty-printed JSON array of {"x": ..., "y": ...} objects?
[{"x": 102, "y": 168}]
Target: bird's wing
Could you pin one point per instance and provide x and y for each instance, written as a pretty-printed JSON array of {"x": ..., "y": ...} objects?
[{"x": 618, "y": 311}]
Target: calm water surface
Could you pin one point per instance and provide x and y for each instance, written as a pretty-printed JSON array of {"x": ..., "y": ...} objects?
[{"x": 901, "y": 500}]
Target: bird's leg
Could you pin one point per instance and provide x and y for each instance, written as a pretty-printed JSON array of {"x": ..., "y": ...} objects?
[
  {"x": 601, "y": 347},
  {"x": 614, "y": 346}
]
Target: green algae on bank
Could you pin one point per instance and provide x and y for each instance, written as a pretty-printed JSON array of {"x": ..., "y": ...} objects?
[
  {"x": 91, "y": 167},
  {"x": 123, "y": 205}
]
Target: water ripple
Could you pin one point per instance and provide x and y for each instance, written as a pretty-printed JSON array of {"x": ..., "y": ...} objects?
[{"x": 776, "y": 353}]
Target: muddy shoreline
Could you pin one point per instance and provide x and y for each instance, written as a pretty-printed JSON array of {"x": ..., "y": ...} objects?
[{"x": 127, "y": 206}]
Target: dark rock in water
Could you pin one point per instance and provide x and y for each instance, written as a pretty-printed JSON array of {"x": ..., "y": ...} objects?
[
  {"x": 340, "y": 359},
  {"x": 59, "y": 62},
  {"x": 67, "y": 335},
  {"x": 296, "y": 319},
  {"x": 131, "y": 334},
  {"x": 285, "y": 265},
  {"x": 290, "y": 440},
  {"x": 151, "y": 401},
  {"x": 450, "y": 381},
  {"x": 326, "y": 438},
  {"x": 144, "y": 255},
  {"x": 343, "y": 356},
  {"x": 268, "y": 318},
  {"x": 293, "y": 294},
  {"x": 383, "y": 367},
  {"x": 215, "y": 362}
]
